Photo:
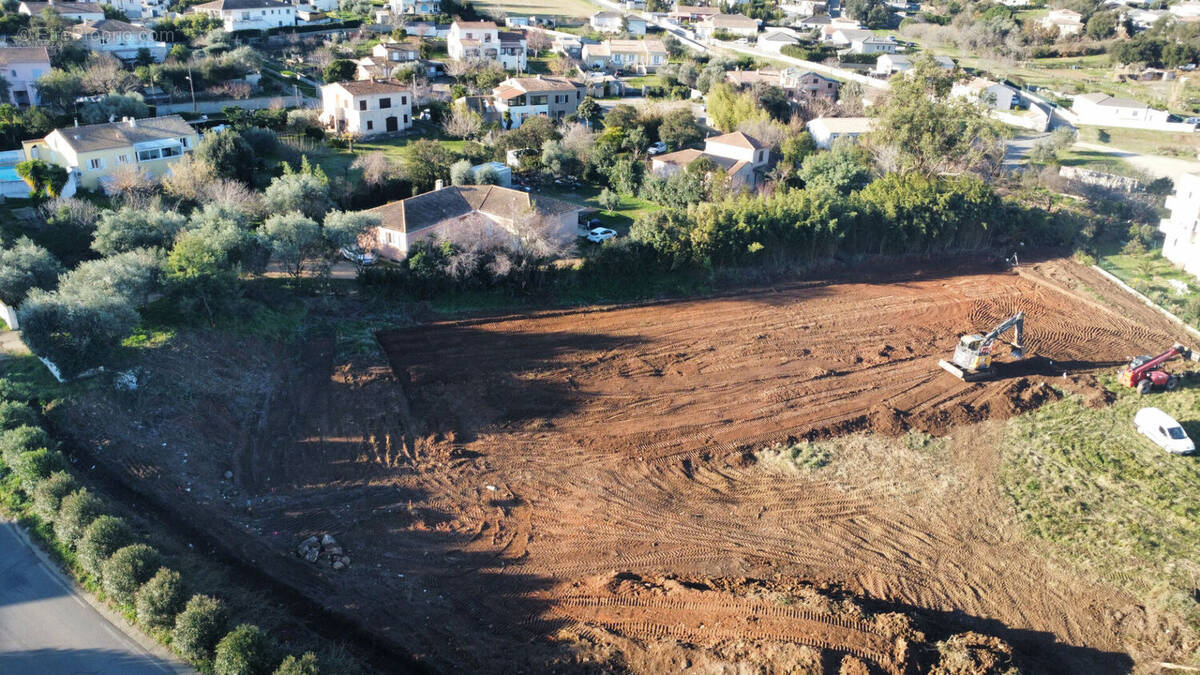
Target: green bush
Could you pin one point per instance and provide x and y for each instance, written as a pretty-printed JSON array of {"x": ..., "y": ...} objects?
[
  {"x": 76, "y": 512},
  {"x": 102, "y": 538},
  {"x": 34, "y": 466},
  {"x": 125, "y": 572},
  {"x": 48, "y": 495},
  {"x": 22, "y": 439},
  {"x": 199, "y": 626},
  {"x": 304, "y": 665},
  {"x": 15, "y": 414},
  {"x": 244, "y": 651},
  {"x": 160, "y": 599}
]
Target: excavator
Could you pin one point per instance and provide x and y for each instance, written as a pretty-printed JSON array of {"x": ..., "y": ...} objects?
[
  {"x": 1144, "y": 372},
  {"x": 973, "y": 355}
]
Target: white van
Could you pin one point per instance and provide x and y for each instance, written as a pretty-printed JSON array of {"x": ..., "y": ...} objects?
[{"x": 1161, "y": 428}]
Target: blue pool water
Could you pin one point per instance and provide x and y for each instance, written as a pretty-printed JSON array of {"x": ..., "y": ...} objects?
[{"x": 8, "y": 173}]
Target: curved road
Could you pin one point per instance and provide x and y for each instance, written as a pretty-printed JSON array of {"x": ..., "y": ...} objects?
[{"x": 46, "y": 627}]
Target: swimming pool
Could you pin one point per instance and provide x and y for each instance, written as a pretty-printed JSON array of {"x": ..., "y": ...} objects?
[{"x": 8, "y": 173}]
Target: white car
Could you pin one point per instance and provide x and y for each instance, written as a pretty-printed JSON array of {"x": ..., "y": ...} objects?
[
  {"x": 657, "y": 148},
  {"x": 599, "y": 234},
  {"x": 1161, "y": 428},
  {"x": 358, "y": 256}
]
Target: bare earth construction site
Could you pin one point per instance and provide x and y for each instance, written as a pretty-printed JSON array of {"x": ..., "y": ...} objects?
[{"x": 587, "y": 485}]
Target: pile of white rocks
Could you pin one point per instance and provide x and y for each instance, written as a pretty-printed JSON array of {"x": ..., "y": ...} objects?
[{"x": 314, "y": 549}]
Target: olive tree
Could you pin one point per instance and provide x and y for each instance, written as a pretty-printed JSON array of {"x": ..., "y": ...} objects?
[
  {"x": 132, "y": 276},
  {"x": 78, "y": 331},
  {"x": 76, "y": 512},
  {"x": 244, "y": 651},
  {"x": 294, "y": 239},
  {"x": 102, "y": 538},
  {"x": 24, "y": 267},
  {"x": 125, "y": 572},
  {"x": 305, "y": 189},
  {"x": 129, "y": 229},
  {"x": 160, "y": 599},
  {"x": 199, "y": 626}
]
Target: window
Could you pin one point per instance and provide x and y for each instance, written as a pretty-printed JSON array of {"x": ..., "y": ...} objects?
[
  {"x": 370, "y": 125},
  {"x": 123, "y": 159},
  {"x": 538, "y": 100},
  {"x": 171, "y": 152},
  {"x": 148, "y": 155},
  {"x": 95, "y": 163},
  {"x": 403, "y": 100},
  {"x": 385, "y": 103},
  {"x": 406, "y": 119},
  {"x": 362, "y": 105}
]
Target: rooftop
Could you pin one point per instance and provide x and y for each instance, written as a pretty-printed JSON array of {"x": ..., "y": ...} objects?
[
  {"x": 230, "y": 5},
  {"x": 477, "y": 25},
  {"x": 1112, "y": 101},
  {"x": 531, "y": 84},
  {"x": 107, "y": 26},
  {"x": 91, "y": 137},
  {"x": 456, "y": 201},
  {"x": 368, "y": 87},
  {"x": 24, "y": 55},
  {"x": 72, "y": 7},
  {"x": 845, "y": 125},
  {"x": 736, "y": 139},
  {"x": 732, "y": 21}
]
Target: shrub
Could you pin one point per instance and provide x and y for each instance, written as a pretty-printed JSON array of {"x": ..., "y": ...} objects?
[
  {"x": 304, "y": 665},
  {"x": 244, "y": 651},
  {"x": 14, "y": 414},
  {"x": 78, "y": 331},
  {"x": 199, "y": 626},
  {"x": 160, "y": 599},
  {"x": 31, "y": 467},
  {"x": 22, "y": 439},
  {"x": 48, "y": 495},
  {"x": 76, "y": 512},
  {"x": 102, "y": 538},
  {"x": 125, "y": 572}
]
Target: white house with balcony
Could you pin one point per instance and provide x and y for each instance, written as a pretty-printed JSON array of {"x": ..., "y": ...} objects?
[
  {"x": 366, "y": 107},
  {"x": 519, "y": 98},
  {"x": 92, "y": 152},
  {"x": 484, "y": 41},
  {"x": 1063, "y": 22},
  {"x": 1182, "y": 229},
  {"x": 643, "y": 56},
  {"x": 123, "y": 40},
  {"x": 741, "y": 157},
  {"x": 21, "y": 67},
  {"x": 236, "y": 15}
]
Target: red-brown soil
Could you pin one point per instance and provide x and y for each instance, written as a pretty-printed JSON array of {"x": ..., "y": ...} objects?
[{"x": 534, "y": 490}]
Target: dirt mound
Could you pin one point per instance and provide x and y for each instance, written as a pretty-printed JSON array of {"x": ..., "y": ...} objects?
[{"x": 974, "y": 654}]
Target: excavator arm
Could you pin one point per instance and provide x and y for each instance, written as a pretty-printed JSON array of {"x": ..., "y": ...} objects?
[{"x": 1016, "y": 323}]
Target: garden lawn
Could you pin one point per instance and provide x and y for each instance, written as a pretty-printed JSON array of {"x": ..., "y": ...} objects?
[{"x": 1151, "y": 274}]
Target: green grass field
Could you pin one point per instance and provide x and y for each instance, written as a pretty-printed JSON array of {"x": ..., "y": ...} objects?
[
  {"x": 1151, "y": 274},
  {"x": 1162, "y": 143},
  {"x": 579, "y": 9}
]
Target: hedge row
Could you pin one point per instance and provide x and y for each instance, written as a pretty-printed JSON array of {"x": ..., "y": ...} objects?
[{"x": 129, "y": 572}]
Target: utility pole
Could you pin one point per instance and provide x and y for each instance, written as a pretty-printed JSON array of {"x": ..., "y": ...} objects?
[{"x": 191, "y": 85}]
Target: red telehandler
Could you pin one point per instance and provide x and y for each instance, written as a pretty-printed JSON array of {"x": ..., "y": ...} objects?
[{"x": 1145, "y": 373}]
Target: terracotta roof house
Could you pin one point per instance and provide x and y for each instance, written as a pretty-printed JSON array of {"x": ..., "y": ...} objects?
[
  {"x": 366, "y": 107},
  {"x": 467, "y": 211},
  {"x": 522, "y": 97},
  {"x": 76, "y": 11},
  {"x": 21, "y": 67},
  {"x": 737, "y": 24},
  {"x": 738, "y": 154},
  {"x": 643, "y": 56},
  {"x": 238, "y": 15}
]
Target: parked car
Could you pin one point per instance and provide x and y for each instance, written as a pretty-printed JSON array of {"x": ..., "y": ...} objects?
[
  {"x": 359, "y": 256},
  {"x": 599, "y": 234},
  {"x": 657, "y": 148},
  {"x": 1192, "y": 120},
  {"x": 1161, "y": 428}
]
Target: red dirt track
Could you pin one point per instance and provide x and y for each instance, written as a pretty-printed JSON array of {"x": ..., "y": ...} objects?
[{"x": 517, "y": 483}]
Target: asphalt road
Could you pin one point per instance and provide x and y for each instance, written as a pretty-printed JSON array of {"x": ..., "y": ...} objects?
[{"x": 45, "y": 627}]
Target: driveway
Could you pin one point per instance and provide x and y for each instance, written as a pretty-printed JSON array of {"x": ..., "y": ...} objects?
[
  {"x": 45, "y": 627},
  {"x": 1159, "y": 167}
]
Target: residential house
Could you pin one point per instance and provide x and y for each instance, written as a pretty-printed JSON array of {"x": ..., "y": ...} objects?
[
  {"x": 468, "y": 211},
  {"x": 687, "y": 14},
  {"x": 397, "y": 52},
  {"x": 1103, "y": 110},
  {"x": 733, "y": 24},
  {"x": 518, "y": 98},
  {"x": 236, "y": 15},
  {"x": 483, "y": 41},
  {"x": 123, "y": 40},
  {"x": 21, "y": 67},
  {"x": 132, "y": 9},
  {"x": 415, "y": 7},
  {"x": 863, "y": 41},
  {"x": 91, "y": 153},
  {"x": 826, "y": 130},
  {"x": 569, "y": 45},
  {"x": 1144, "y": 18},
  {"x": 634, "y": 5},
  {"x": 629, "y": 55},
  {"x": 816, "y": 22},
  {"x": 775, "y": 39},
  {"x": 71, "y": 11},
  {"x": 804, "y": 8},
  {"x": 890, "y": 64},
  {"x": 741, "y": 156},
  {"x": 609, "y": 22},
  {"x": 315, "y": 5},
  {"x": 366, "y": 107},
  {"x": 805, "y": 85},
  {"x": 835, "y": 24},
  {"x": 995, "y": 95},
  {"x": 1181, "y": 244},
  {"x": 1063, "y": 21}
]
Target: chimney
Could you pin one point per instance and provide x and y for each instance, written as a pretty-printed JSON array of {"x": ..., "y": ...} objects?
[{"x": 439, "y": 184}]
